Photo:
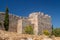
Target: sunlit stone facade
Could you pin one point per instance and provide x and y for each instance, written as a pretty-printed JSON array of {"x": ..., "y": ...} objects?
[
  {"x": 22, "y": 23},
  {"x": 38, "y": 20},
  {"x": 41, "y": 22}
]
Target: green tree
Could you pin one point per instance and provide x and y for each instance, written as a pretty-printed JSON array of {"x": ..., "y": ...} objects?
[
  {"x": 56, "y": 32},
  {"x": 0, "y": 24},
  {"x": 28, "y": 30},
  {"x": 6, "y": 20},
  {"x": 52, "y": 30}
]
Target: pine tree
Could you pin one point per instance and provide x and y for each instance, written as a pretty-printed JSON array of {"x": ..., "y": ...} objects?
[{"x": 6, "y": 20}]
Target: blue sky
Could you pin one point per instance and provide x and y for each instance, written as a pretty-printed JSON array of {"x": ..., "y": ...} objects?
[{"x": 25, "y": 7}]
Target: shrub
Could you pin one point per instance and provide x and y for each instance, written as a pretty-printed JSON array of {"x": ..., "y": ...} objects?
[
  {"x": 46, "y": 32},
  {"x": 56, "y": 32},
  {"x": 28, "y": 30}
]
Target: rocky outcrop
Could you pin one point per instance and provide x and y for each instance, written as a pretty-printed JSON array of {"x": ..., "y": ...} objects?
[{"x": 15, "y": 36}]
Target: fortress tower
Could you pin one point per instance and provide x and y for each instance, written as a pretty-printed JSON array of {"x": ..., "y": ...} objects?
[{"x": 41, "y": 22}]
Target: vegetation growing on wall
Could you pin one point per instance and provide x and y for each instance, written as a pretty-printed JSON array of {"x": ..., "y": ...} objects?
[
  {"x": 28, "y": 30},
  {"x": 46, "y": 32}
]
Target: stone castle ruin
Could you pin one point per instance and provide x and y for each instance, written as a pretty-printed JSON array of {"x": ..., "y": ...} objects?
[{"x": 38, "y": 20}]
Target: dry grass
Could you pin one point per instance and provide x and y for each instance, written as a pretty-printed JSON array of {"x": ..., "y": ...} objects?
[{"x": 15, "y": 36}]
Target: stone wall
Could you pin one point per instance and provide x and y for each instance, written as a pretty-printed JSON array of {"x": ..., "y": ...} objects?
[
  {"x": 22, "y": 23},
  {"x": 39, "y": 21},
  {"x": 13, "y": 19}
]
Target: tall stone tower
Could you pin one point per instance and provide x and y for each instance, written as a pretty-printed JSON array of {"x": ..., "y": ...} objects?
[{"x": 41, "y": 22}]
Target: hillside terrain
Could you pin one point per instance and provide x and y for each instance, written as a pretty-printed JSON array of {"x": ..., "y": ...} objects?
[{"x": 15, "y": 36}]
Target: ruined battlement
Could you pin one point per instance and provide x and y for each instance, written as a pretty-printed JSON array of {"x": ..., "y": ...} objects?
[{"x": 38, "y": 20}]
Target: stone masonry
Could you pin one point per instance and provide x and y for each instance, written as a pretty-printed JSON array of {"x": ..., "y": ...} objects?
[
  {"x": 38, "y": 20},
  {"x": 41, "y": 22},
  {"x": 13, "y": 19}
]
